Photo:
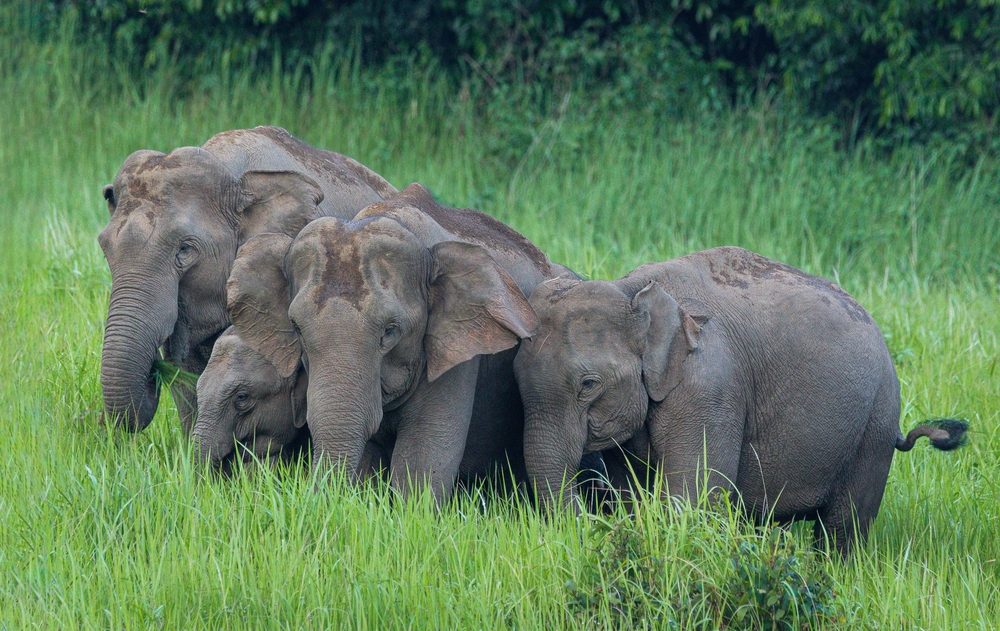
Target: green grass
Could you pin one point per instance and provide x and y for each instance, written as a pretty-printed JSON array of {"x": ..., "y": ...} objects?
[{"x": 103, "y": 530}]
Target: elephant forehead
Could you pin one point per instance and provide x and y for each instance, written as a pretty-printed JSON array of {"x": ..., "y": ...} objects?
[
  {"x": 592, "y": 330},
  {"x": 246, "y": 363},
  {"x": 233, "y": 361},
  {"x": 144, "y": 187},
  {"x": 582, "y": 306},
  {"x": 129, "y": 232},
  {"x": 151, "y": 180},
  {"x": 348, "y": 248},
  {"x": 226, "y": 345},
  {"x": 342, "y": 275}
]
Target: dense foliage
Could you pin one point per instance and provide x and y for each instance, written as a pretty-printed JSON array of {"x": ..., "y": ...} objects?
[
  {"x": 630, "y": 579},
  {"x": 898, "y": 70}
]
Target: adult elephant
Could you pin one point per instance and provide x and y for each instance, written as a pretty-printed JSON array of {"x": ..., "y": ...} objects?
[
  {"x": 406, "y": 321},
  {"x": 724, "y": 369},
  {"x": 177, "y": 220}
]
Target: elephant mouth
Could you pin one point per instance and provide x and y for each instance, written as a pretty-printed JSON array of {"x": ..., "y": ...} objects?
[
  {"x": 395, "y": 396},
  {"x": 152, "y": 392},
  {"x": 227, "y": 465},
  {"x": 246, "y": 458}
]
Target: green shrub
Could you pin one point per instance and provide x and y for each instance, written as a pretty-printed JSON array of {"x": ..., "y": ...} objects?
[
  {"x": 914, "y": 69},
  {"x": 637, "y": 579},
  {"x": 900, "y": 70},
  {"x": 776, "y": 585}
]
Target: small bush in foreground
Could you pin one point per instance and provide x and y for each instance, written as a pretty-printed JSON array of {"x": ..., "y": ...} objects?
[
  {"x": 776, "y": 585},
  {"x": 771, "y": 581}
]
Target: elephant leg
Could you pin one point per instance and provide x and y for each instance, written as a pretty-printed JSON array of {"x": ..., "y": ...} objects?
[
  {"x": 375, "y": 460},
  {"x": 696, "y": 441},
  {"x": 854, "y": 503},
  {"x": 431, "y": 431}
]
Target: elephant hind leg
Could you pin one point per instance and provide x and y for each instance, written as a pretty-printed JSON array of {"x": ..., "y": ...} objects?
[{"x": 854, "y": 504}]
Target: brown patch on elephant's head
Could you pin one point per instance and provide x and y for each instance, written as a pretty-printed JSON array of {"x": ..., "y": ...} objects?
[
  {"x": 150, "y": 180},
  {"x": 342, "y": 276},
  {"x": 134, "y": 187},
  {"x": 350, "y": 255}
]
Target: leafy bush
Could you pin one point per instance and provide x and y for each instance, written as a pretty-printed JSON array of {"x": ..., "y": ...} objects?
[
  {"x": 772, "y": 581},
  {"x": 913, "y": 68},
  {"x": 776, "y": 585},
  {"x": 901, "y": 70}
]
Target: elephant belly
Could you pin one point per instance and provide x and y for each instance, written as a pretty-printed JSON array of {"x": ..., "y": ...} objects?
[{"x": 793, "y": 469}]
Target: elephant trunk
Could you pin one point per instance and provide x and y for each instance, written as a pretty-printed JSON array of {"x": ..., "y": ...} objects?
[
  {"x": 553, "y": 449},
  {"x": 139, "y": 320},
  {"x": 344, "y": 410},
  {"x": 214, "y": 439}
]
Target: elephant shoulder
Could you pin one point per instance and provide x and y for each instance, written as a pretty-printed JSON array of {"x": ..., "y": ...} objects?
[{"x": 238, "y": 149}]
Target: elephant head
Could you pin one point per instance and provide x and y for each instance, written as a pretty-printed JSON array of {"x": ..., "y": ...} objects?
[
  {"x": 243, "y": 403},
  {"x": 176, "y": 222},
  {"x": 589, "y": 374},
  {"x": 372, "y": 313}
]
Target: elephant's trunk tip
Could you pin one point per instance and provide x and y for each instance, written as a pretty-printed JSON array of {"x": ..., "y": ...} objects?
[
  {"x": 945, "y": 434},
  {"x": 132, "y": 410}
]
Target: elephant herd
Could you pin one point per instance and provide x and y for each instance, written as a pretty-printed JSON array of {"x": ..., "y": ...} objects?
[{"x": 406, "y": 340}]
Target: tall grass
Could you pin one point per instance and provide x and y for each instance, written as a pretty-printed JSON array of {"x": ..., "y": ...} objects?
[{"x": 103, "y": 530}]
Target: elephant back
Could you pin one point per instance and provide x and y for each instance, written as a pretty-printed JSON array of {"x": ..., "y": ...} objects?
[
  {"x": 347, "y": 185},
  {"x": 432, "y": 223}
]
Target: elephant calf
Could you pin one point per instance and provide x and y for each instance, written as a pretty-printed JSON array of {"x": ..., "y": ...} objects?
[
  {"x": 723, "y": 368},
  {"x": 247, "y": 410}
]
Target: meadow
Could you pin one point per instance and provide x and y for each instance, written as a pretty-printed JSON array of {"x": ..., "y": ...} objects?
[{"x": 100, "y": 529}]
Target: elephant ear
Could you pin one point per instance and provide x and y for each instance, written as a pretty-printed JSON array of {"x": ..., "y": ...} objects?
[
  {"x": 109, "y": 195},
  {"x": 476, "y": 308},
  {"x": 258, "y": 297},
  {"x": 282, "y": 202},
  {"x": 668, "y": 332}
]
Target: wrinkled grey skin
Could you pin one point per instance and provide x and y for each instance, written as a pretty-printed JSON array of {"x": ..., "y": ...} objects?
[
  {"x": 177, "y": 221},
  {"x": 779, "y": 379},
  {"x": 242, "y": 399},
  {"x": 247, "y": 411},
  {"x": 406, "y": 321}
]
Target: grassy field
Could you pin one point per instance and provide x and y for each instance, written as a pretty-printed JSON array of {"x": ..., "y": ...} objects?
[{"x": 103, "y": 530}]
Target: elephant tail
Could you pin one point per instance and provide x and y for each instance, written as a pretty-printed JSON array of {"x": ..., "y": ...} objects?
[{"x": 945, "y": 434}]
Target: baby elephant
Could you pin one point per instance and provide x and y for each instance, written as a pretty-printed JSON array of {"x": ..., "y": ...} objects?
[
  {"x": 724, "y": 369},
  {"x": 247, "y": 410}
]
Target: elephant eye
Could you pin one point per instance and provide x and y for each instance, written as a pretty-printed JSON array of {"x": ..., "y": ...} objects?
[
  {"x": 589, "y": 386},
  {"x": 242, "y": 402},
  {"x": 390, "y": 335},
  {"x": 184, "y": 253}
]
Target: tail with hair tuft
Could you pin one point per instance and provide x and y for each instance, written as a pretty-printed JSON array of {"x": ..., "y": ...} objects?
[
  {"x": 945, "y": 434},
  {"x": 956, "y": 428}
]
